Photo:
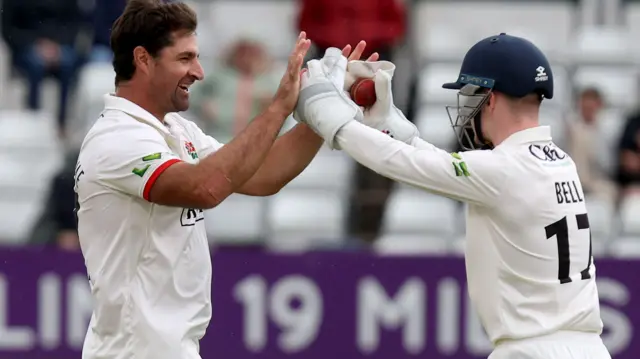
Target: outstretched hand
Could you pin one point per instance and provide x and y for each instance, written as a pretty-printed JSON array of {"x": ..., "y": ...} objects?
[
  {"x": 287, "y": 94},
  {"x": 355, "y": 56},
  {"x": 357, "y": 52}
]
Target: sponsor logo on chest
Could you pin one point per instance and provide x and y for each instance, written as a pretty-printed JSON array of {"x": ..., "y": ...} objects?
[{"x": 191, "y": 216}]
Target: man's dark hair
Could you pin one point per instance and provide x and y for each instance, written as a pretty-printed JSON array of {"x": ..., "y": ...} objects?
[{"x": 150, "y": 24}]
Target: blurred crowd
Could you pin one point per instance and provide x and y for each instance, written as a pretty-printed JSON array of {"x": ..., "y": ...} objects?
[{"x": 56, "y": 39}]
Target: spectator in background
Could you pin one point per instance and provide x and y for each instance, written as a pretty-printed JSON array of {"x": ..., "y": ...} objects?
[
  {"x": 237, "y": 91},
  {"x": 582, "y": 135},
  {"x": 105, "y": 14},
  {"x": 628, "y": 175},
  {"x": 57, "y": 225},
  {"x": 41, "y": 35},
  {"x": 382, "y": 24},
  {"x": 333, "y": 23}
]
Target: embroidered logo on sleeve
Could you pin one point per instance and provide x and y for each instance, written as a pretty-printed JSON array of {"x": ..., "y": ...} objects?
[
  {"x": 140, "y": 171},
  {"x": 459, "y": 166},
  {"x": 155, "y": 156},
  {"x": 191, "y": 150}
]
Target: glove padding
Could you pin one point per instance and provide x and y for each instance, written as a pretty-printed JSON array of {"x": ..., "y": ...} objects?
[
  {"x": 357, "y": 69},
  {"x": 323, "y": 104},
  {"x": 383, "y": 115}
]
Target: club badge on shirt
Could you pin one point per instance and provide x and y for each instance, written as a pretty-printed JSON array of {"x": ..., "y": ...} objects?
[{"x": 191, "y": 150}]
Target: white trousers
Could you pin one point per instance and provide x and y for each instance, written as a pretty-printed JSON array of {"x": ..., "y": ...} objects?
[{"x": 560, "y": 345}]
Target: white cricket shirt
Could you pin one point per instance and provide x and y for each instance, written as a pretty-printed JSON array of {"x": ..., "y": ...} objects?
[
  {"x": 149, "y": 265},
  {"x": 528, "y": 254}
]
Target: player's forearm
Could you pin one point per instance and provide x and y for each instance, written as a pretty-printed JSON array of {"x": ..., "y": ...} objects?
[
  {"x": 224, "y": 172},
  {"x": 381, "y": 153},
  {"x": 289, "y": 156}
]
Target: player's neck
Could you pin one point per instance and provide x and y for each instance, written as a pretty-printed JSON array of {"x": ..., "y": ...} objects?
[
  {"x": 142, "y": 99},
  {"x": 504, "y": 132}
]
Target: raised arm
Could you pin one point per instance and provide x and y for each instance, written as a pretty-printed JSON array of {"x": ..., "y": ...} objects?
[
  {"x": 472, "y": 176},
  {"x": 217, "y": 176},
  {"x": 469, "y": 176},
  {"x": 289, "y": 156},
  {"x": 292, "y": 152}
]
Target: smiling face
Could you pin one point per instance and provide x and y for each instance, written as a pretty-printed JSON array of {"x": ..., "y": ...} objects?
[{"x": 173, "y": 71}]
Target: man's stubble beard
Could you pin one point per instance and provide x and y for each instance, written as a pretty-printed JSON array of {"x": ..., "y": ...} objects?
[{"x": 177, "y": 104}]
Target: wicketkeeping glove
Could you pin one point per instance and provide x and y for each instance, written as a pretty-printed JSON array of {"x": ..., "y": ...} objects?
[
  {"x": 323, "y": 104},
  {"x": 383, "y": 115}
]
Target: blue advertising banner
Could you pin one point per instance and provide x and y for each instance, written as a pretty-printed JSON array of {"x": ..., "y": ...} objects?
[{"x": 311, "y": 306}]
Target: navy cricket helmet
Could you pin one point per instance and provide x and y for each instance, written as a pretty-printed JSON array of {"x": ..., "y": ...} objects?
[{"x": 502, "y": 63}]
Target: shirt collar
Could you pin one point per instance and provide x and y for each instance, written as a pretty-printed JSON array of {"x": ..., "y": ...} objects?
[
  {"x": 534, "y": 134},
  {"x": 112, "y": 102}
]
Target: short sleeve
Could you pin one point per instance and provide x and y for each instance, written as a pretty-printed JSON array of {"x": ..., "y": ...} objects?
[
  {"x": 128, "y": 160},
  {"x": 473, "y": 176}
]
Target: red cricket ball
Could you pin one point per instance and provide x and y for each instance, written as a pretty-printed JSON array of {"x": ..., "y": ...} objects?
[{"x": 363, "y": 92}]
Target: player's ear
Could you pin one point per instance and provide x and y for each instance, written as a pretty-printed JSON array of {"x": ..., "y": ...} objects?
[
  {"x": 142, "y": 59},
  {"x": 491, "y": 101}
]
